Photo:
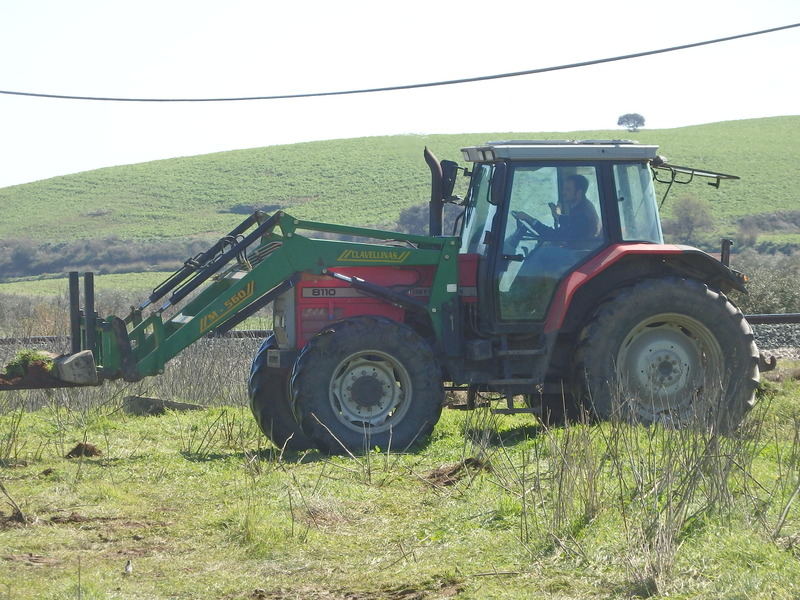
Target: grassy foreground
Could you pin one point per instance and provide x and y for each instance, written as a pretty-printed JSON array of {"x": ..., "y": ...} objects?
[{"x": 492, "y": 507}]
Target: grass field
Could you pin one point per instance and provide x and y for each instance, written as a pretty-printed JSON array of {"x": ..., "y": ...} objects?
[
  {"x": 364, "y": 181},
  {"x": 490, "y": 507},
  {"x": 128, "y": 283}
]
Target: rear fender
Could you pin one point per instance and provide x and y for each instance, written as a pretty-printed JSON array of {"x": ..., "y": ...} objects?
[{"x": 621, "y": 264}]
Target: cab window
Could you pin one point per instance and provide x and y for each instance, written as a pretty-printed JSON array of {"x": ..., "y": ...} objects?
[
  {"x": 479, "y": 211},
  {"x": 638, "y": 210},
  {"x": 554, "y": 223}
]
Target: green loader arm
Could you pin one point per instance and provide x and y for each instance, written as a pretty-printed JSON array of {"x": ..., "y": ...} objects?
[{"x": 245, "y": 271}]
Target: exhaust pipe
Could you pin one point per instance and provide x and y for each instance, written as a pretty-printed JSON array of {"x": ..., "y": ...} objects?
[{"x": 436, "y": 204}]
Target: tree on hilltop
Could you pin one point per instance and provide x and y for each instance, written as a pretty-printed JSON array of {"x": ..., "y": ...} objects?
[{"x": 632, "y": 121}]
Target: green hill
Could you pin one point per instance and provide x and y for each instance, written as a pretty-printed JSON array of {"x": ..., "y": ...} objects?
[{"x": 163, "y": 205}]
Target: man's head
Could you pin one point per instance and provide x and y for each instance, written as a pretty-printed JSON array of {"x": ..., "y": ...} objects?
[{"x": 574, "y": 188}]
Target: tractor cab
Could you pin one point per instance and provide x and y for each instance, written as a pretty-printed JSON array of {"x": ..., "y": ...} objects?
[{"x": 537, "y": 210}]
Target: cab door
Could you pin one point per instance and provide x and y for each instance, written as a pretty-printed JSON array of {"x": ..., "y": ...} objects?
[{"x": 548, "y": 228}]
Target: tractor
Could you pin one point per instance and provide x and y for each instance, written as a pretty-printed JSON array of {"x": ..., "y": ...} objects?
[{"x": 554, "y": 294}]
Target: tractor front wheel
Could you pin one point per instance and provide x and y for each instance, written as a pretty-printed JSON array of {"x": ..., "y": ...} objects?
[
  {"x": 367, "y": 382},
  {"x": 268, "y": 388},
  {"x": 669, "y": 351}
]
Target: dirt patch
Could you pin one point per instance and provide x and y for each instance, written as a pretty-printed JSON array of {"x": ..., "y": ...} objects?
[
  {"x": 303, "y": 593},
  {"x": 131, "y": 553},
  {"x": 70, "y": 518},
  {"x": 320, "y": 517},
  {"x": 83, "y": 449},
  {"x": 439, "y": 589},
  {"x": 13, "y": 520},
  {"x": 31, "y": 559},
  {"x": 104, "y": 522},
  {"x": 37, "y": 376},
  {"x": 452, "y": 474},
  {"x": 143, "y": 406}
]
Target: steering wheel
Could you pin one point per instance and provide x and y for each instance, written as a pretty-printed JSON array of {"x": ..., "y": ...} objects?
[{"x": 526, "y": 226}]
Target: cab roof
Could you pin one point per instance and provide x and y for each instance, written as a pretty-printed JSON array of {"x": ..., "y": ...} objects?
[{"x": 560, "y": 150}]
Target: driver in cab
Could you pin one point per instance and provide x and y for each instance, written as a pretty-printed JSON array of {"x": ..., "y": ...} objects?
[{"x": 575, "y": 217}]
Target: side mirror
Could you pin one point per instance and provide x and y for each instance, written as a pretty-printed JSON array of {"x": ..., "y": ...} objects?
[
  {"x": 498, "y": 192},
  {"x": 449, "y": 174}
]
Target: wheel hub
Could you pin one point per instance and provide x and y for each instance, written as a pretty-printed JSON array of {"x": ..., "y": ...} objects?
[
  {"x": 663, "y": 364},
  {"x": 369, "y": 389},
  {"x": 667, "y": 369},
  {"x": 366, "y": 391}
]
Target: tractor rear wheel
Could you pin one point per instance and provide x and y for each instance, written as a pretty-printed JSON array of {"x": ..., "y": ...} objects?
[
  {"x": 671, "y": 351},
  {"x": 268, "y": 388},
  {"x": 367, "y": 382}
]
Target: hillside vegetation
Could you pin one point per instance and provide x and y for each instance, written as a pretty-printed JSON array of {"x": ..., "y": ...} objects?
[{"x": 152, "y": 215}]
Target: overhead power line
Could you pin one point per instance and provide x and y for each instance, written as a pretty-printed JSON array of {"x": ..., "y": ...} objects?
[{"x": 413, "y": 85}]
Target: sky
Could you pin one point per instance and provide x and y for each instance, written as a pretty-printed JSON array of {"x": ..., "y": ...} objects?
[{"x": 246, "y": 48}]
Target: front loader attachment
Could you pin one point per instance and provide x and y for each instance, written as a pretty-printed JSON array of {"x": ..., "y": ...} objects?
[
  {"x": 136, "y": 346},
  {"x": 43, "y": 370},
  {"x": 259, "y": 260}
]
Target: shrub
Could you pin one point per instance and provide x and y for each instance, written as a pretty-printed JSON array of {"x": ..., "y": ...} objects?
[
  {"x": 22, "y": 258},
  {"x": 772, "y": 282},
  {"x": 416, "y": 219}
]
